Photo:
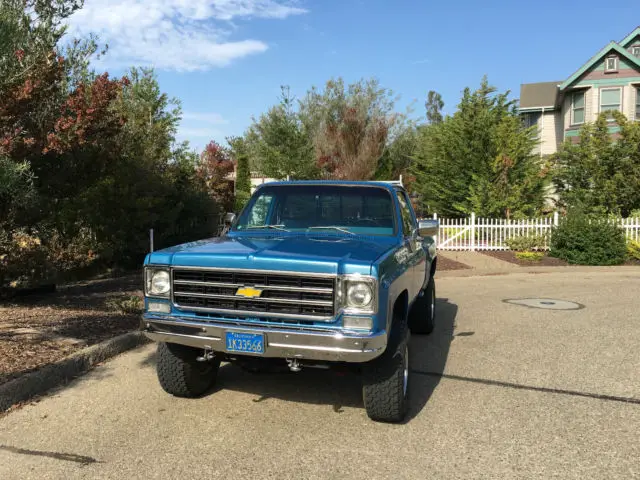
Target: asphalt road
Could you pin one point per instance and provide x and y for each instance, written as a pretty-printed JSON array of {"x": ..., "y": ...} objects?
[{"x": 498, "y": 391}]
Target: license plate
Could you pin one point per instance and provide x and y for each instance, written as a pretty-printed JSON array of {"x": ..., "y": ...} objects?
[{"x": 245, "y": 342}]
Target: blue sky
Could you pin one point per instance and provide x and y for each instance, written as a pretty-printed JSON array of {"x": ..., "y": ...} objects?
[{"x": 226, "y": 59}]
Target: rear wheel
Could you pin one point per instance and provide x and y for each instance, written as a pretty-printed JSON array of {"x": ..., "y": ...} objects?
[
  {"x": 422, "y": 317},
  {"x": 386, "y": 379},
  {"x": 179, "y": 372}
]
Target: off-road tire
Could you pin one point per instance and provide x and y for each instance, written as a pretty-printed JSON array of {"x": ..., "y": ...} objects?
[
  {"x": 422, "y": 317},
  {"x": 180, "y": 374},
  {"x": 385, "y": 397}
]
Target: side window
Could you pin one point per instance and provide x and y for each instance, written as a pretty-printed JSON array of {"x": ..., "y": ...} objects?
[
  {"x": 260, "y": 211},
  {"x": 407, "y": 219}
]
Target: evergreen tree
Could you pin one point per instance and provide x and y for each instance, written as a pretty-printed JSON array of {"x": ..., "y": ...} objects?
[
  {"x": 480, "y": 160},
  {"x": 434, "y": 106},
  {"x": 600, "y": 173}
]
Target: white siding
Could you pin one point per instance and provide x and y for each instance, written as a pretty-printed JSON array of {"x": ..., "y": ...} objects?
[
  {"x": 593, "y": 102},
  {"x": 628, "y": 101},
  {"x": 548, "y": 133}
]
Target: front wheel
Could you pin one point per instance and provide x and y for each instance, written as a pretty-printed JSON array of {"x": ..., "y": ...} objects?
[
  {"x": 422, "y": 317},
  {"x": 386, "y": 380},
  {"x": 179, "y": 372}
]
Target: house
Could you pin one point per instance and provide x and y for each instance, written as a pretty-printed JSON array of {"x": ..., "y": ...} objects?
[
  {"x": 257, "y": 179},
  {"x": 609, "y": 81}
]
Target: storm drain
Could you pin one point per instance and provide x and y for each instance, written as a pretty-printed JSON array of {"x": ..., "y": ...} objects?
[{"x": 545, "y": 303}]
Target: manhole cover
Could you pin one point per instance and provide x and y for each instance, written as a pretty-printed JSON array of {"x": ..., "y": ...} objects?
[{"x": 545, "y": 303}]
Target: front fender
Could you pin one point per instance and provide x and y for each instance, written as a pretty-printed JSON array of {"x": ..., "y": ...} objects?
[{"x": 395, "y": 274}]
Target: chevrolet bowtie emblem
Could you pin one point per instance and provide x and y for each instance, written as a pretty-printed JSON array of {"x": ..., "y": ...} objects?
[{"x": 248, "y": 292}]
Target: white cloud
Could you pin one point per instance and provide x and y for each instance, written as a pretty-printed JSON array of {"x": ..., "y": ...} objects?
[
  {"x": 211, "y": 118},
  {"x": 183, "y": 35},
  {"x": 185, "y": 133}
]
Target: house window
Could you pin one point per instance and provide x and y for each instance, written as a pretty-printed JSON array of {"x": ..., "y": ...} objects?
[
  {"x": 637, "y": 104},
  {"x": 611, "y": 64},
  {"x": 635, "y": 50},
  {"x": 577, "y": 108},
  {"x": 610, "y": 100},
  {"x": 531, "y": 119}
]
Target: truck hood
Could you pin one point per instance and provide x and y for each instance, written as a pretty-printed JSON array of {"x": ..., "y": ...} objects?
[{"x": 300, "y": 253}]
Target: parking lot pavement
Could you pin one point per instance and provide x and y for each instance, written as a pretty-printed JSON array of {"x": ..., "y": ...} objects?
[{"x": 498, "y": 391}]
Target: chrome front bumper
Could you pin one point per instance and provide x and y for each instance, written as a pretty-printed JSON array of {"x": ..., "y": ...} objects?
[{"x": 279, "y": 342}]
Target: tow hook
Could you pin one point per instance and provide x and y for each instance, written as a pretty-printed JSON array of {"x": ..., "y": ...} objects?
[
  {"x": 207, "y": 356},
  {"x": 294, "y": 365}
]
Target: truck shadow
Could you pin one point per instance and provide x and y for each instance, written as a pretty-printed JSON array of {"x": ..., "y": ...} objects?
[
  {"x": 428, "y": 356},
  {"x": 341, "y": 389}
]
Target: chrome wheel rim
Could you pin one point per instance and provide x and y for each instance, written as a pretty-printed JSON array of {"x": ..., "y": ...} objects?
[{"x": 405, "y": 371}]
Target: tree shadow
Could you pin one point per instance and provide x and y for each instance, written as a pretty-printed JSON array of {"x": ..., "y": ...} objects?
[
  {"x": 67, "y": 457},
  {"x": 44, "y": 343},
  {"x": 83, "y": 295},
  {"x": 428, "y": 356},
  {"x": 343, "y": 388}
]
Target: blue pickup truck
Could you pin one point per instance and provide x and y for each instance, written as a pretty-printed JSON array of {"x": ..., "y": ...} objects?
[{"x": 309, "y": 274}]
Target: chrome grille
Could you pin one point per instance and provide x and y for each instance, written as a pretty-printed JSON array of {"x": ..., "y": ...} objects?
[{"x": 283, "y": 295}]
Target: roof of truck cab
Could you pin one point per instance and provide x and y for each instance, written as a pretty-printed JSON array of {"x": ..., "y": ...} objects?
[{"x": 341, "y": 183}]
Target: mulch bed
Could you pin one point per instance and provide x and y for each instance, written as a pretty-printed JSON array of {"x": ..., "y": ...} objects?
[
  {"x": 510, "y": 256},
  {"x": 448, "y": 264},
  {"x": 36, "y": 330},
  {"x": 546, "y": 261}
]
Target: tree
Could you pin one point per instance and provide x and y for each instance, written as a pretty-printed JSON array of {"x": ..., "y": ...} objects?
[
  {"x": 351, "y": 126},
  {"x": 398, "y": 156},
  {"x": 601, "y": 173},
  {"x": 279, "y": 144},
  {"x": 480, "y": 160},
  {"x": 214, "y": 168},
  {"x": 434, "y": 106},
  {"x": 243, "y": 173}
]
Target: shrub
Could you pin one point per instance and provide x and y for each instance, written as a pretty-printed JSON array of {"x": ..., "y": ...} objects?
[
  {"x": 530, "y": 256},
  {"x": 588, "y": 240},
  {"x": 633, "y": 249},
  {"x": 125, "y": 305},
  {"x": 23, "y": 260},
  {"x": 525, "y": 243}
]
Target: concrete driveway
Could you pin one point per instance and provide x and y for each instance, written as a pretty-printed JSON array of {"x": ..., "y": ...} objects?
[{"x": 498, "y": 391}]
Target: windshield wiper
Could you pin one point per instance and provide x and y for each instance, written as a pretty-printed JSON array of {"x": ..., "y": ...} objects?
[
  {"x": 275, "y": 227},
  {"x": 332, "y": 227}
]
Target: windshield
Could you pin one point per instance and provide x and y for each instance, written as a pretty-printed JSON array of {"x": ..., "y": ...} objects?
[{"x": 320, "y": 208}]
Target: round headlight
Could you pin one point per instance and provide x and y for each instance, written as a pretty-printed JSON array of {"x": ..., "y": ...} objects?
[
  {"x": 160, "y": 283},
  {"x": 359, "y": 294}
]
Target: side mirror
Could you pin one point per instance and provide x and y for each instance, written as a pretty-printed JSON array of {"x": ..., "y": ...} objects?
[
  {"x": 428, "y": 228},
  {"x": 229, "y": 218}
]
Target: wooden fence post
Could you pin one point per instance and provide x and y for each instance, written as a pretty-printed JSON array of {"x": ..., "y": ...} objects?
[{"x": 556, "y": 217}]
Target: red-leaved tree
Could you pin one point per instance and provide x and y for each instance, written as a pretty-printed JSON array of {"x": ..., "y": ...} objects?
[{"x": 214, "y": 168}]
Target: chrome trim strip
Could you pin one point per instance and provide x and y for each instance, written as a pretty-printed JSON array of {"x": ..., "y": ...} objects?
[
  {"x": 323, "y": 303},
  {"x": 249, "y": 313},
  {"x": 270, "y": 272},
  {"x": 202, "y": 323},
  {"x": 327, "y": 346},
  {"x": 261, "y": 287}
]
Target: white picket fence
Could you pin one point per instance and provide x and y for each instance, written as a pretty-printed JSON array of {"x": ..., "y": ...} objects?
[{"x": 475, "y": 233}]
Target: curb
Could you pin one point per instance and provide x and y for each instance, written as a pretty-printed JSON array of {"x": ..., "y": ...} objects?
[{"x": 53, "y": 375}]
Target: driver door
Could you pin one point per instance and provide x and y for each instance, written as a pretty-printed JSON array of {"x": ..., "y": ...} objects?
[{"x": 413, "y": 243}]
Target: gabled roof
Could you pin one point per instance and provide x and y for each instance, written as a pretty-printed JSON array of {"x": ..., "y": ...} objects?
[
  {"x": 535, "y": 96},
  {"x": 597, "y": 57},
  {"x": 626, "y": 41}
]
